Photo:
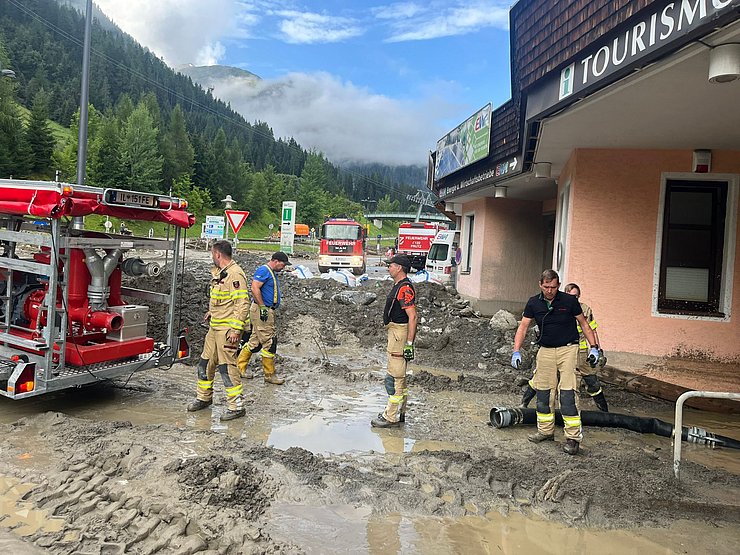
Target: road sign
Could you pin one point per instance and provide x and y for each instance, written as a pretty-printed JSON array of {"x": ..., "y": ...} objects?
[
  {"x": 287, "y": 227},
  {"x": 236, "y": 219},
  {"x": 213, "y": 228}
]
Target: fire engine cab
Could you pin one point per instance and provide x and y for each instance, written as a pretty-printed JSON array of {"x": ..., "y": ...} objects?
[
  {"x": 63, "y": 318},
  {"x": 342, "y": 246}
]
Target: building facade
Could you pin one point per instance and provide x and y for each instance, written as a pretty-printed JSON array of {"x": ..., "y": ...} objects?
[{"x": 617, "y": 163}]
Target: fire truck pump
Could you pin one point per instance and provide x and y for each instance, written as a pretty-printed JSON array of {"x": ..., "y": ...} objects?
[{"x": 94, "y": 306}]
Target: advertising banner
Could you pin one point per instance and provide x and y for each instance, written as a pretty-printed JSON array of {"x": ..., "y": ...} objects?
[{"x": 467, "y": 143}]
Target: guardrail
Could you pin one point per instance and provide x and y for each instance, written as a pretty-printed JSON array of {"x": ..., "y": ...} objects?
[{"x": 678, "y": 422}]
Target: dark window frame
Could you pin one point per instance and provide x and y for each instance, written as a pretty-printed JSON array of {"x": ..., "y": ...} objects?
[{"x": 719, "y": 191}]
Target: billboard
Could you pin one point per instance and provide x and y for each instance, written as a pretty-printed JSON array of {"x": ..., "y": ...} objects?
[{"x": 467, "y": 143}]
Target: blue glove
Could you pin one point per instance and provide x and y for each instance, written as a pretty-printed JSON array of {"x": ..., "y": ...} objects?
[
  {"x": 263, "y": 313},
  {"x": 593, "y": 356},
  {"x": 408, "y": 351},
  {"x": 516, "y": 360}
]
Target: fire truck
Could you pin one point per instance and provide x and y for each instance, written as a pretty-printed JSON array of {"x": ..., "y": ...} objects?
[
  {"x": 414, "y": 240},
  {"x": 342, "y": 245},
  {"x": 63, "y": 318}
]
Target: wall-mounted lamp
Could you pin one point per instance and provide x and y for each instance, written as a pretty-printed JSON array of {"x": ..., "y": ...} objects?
[
  {"x": 542, "y": 169},
  {"x": 499, "y": 192},
  {"x": 724, "y": 63}
]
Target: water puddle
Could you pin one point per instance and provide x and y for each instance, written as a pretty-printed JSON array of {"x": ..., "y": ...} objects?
[
  {"x": 342, "y": 425},
  {"x": 20, "y": 516},
  {"x": 349, "y": 529}
]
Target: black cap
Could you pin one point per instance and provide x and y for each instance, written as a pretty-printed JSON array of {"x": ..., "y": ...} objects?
[
  {"x": 402, "y": 260},
  {"x": 280, "y": 256}
]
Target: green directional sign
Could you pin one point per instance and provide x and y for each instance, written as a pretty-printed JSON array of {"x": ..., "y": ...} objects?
[{"x": 287, "y": 213}]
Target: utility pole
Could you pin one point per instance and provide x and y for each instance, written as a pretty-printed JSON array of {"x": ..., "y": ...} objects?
[
  {"x": 422, "y": 199},
  {"x": 79, "y": 222}
]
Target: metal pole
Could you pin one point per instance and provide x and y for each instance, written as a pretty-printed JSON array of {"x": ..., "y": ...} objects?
[
  {"x": 78, "y": 222},
  {"x": 678, "y": 420}
]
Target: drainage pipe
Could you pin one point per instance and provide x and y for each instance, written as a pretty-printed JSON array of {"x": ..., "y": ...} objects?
[{"x": 502, "y": 417}]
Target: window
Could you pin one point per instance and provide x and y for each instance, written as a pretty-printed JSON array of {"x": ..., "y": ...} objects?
[
  {"x": 469, "y": 224},
  {"x": 692, "y": 247}
]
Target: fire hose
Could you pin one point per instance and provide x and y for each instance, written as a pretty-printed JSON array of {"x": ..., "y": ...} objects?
[{"x": 502, "y": 417}]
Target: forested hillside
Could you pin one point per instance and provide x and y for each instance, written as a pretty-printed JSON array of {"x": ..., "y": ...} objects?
[{"x": 150, "y": 128}]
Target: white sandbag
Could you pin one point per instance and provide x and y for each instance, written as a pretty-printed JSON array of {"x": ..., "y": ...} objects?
[
  {"x": 301, "y": 272},
  {"x": 342, "y": 276}
]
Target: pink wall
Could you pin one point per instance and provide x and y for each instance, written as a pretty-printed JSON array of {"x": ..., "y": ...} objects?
[
  {"x": 508, "y": 243},
  {"x": 611, "y": 251}
]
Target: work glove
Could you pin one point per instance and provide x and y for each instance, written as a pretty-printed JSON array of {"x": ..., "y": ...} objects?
[
  {"x": 263, "y": 313},
  {"x": 408, "y": 351},
  {"x": 593, "y": 356},
  {"x": 602, "y": 359},
  {"x": 516, "y": 360}
]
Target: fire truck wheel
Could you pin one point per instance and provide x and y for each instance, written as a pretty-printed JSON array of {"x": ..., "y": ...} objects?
[{"x": 323, "y": 269}]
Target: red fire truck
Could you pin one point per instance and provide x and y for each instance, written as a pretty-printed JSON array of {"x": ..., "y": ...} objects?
[
  {"x": 63, "y": 318},
  {"x": 342, "y": 246},
  {"x": 414, "y": 240}
]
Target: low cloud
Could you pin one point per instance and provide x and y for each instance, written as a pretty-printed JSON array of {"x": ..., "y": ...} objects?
[
  {"x": 181, "y": 31},
  {"x": 345, "y": 122}
]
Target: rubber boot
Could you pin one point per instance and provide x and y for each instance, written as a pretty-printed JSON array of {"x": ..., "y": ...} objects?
[
  {"x": 268, "y": 365},
  {"x": 244, "y": 357},
  {"x": 527, "y": 396},
  {"x": 600, "y": 401}
]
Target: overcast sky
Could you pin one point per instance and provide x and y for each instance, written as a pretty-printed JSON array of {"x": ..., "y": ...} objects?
[{"x": 358, "y": 80}]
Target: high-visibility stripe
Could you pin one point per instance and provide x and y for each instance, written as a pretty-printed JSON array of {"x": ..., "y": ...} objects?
[
  {"x": 233, "y": 391},
  {"x": 572, "y": 421},
  {"x": 545, "y": 417},
  {"x": 395, "y": 399},
  {"x": 595, "y": 394},
  {"x": 593, "y": 325},
  {"x": 205, "y": 384},
  {"x": 583, "y": 345},
  {"x": 267, "y": 354},
  {"x": 236, "y": 324},
  {"x": 531, "y": 383}
]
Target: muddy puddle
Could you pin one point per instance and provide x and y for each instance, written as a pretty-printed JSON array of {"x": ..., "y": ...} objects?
[
  {"x": 348, "y": 529},
  {"x": 21, "y": 517}
]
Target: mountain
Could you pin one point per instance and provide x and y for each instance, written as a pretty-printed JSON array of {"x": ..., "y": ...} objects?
[
  {"x": 208, "y": 76},
  {"x": 194, "y": 135}
]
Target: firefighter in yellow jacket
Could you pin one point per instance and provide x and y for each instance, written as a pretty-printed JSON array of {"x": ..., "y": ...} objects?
[{"x": 228, "y": 315}]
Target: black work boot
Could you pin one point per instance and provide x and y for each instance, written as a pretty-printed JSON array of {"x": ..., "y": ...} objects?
[
  {"x": 540, "y": 437},
  {"x": 571, "y": 446},
  {"x": 600, "y": 401},
  {"x": 401, "y": 418},
  {"x": 527, "y": 395},
  {"x": 231, "y": 414},
  {"x": 198, "y": 405},
  {"x": 381, "y": 422}
]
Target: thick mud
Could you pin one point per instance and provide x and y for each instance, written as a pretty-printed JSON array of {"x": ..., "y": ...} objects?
[{"x": 123, "y": 468}]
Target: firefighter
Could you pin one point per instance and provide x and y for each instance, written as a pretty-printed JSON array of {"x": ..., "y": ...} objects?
[
  {"x": 227, "y": 315},
  {"x": 265, "y": 301},
  {"x": 399, "y": 317},
  {"x": 557, "y": 315},
  {"x": 584, "y": 369}
]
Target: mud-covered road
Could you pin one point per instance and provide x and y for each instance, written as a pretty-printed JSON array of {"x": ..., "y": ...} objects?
[{"x": 123, "y": 468}]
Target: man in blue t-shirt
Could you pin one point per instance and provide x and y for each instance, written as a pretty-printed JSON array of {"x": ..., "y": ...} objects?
[
  {"x": 557, "y": 315},
  {"x": 265, "y": 301}
]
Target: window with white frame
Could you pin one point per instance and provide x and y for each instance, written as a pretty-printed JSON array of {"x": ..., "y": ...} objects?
[
  {"x": 692, "y": 265},
  {"x": 468, "y": 242}
]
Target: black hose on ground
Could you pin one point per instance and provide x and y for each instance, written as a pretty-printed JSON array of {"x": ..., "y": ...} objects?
[{"x": 502, "y": 417}]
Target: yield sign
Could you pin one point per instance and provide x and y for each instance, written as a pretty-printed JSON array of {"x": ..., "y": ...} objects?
[{"x": 236, "y": 218}]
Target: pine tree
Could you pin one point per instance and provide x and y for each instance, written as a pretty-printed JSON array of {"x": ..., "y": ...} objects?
[
  {"x": 178, "y": 152},
  {"x": 39, "y": 137},
  {"x": 139, "y": 159}
]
